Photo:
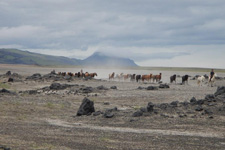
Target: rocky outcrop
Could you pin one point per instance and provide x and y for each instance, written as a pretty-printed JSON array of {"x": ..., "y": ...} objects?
[
  {"x": 86, "y": 108},
  {"x": 36, "y": 76}
]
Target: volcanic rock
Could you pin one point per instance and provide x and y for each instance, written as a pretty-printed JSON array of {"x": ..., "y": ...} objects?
[
  {"x": 8, "y": 73},
  {"x": 137, "y": 113},
  {"x": 150, "y": 107},
  {"x": 102, "y": 88},
  {"x": 199, "y": 108},
  {"x": 152, "y": 88},
  {"x": 164, "y": 86},
  {"x": 86, "y": 108},
  {"x": 10, "y": 80},
  {"x": 108, "y": 113},
  {"x": 113, "y": 87}
]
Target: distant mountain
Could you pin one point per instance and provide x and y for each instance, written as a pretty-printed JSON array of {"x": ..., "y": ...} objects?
[
  {"x": 101, "y": 59},
  {"x": 15, "y": 56}
]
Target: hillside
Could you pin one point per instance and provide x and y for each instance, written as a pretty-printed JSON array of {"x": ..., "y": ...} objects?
[
  {"x": 101, "y": 59},
  {"x": 15, "y": 56}
]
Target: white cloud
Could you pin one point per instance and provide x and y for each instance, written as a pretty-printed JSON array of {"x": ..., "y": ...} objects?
[{"x": 141, "y": 30}]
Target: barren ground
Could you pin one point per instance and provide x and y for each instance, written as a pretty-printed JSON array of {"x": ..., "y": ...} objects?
[{"x": 48, "y": 121}]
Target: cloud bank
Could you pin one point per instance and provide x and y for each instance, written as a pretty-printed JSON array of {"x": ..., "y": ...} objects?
[{"x": 152, "y": 32}]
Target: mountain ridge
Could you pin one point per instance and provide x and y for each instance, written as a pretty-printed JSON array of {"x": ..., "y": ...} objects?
[{"x": 16, "y": 56}]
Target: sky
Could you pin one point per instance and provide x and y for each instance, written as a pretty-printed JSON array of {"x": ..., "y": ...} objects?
[{"x": 170, "y": 33}]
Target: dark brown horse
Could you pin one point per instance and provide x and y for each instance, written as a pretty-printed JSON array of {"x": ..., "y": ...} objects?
[
  {"x": 111, "y": 76},
  {"x": 185, "y": 79},
  {"x": 138, "y": 77},
  {"x": 173, "y": 78},
  {"x": 93, "y": 74}
]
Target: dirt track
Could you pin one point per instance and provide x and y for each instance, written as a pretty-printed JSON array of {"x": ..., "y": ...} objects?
[{"x": 48, "y": 120}]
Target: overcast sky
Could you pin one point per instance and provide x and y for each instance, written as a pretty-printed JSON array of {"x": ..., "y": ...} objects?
[{"x": 176, "y": 33}]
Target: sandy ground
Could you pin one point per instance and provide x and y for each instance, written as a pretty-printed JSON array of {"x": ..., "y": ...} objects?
[{"x": 48, "y": 121}]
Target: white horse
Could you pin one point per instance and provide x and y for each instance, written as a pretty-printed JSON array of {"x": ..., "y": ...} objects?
[
  {"x": 200, "y": 80},
  {"x": 212, "y": 80}
]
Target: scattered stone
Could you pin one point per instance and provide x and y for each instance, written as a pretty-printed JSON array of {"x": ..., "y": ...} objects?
[
  {"x": 200, "y": 102},
  {"x": 182, "y": 115},
  {"x": 10, "y": 80},
  {"x": 114, "y": 109},
  {"x": 31, "y": 92},
  {"x": 4, "y": 148},
  {"x": 211, "y": 104},
  {"x": 97, "y": 113},
  {"x": 174, "y": 103},
  {"x": 198, "y": 108},
  {"x": 210, "y": 117},
  {"x": 150, "y": 107},
  {"x": 137, "y": 113},
  {"x": 222, "y": 108},
  {"x": 106, "y": 103},
  {"x": 164, "y": 86},
  {"x": 132, "y": 120},
  {"x": 113, "y": 87},
  {"x": 86, "y": 108},
  {"x": 155, "y": 111},
  {"x": 143, "y": 109},
  {"x": 210, "y": 97},
  {"x": 57, "y": 86},
  {"x": 185, "y": 103},
  {"x": 87, "y": 89},
  {"x": 152, "y": 88},
  {"x": 220, "y": 91},
  {"x": 108, "y": 114},
  {"x": 165, "y": 115},
  {"x": 102, "y": 88},
  {"x": 208, "y": 112},
  {"x": 4, "y": 91},
  {"x": 163, "y": 106},
  {"x": 36, "y": 76},
  {"x": 193, "y": 116},
  {"x": 140, "y": 88},
  {"x": 8, "y": 73},
  {"x": 193, "y": 100}
]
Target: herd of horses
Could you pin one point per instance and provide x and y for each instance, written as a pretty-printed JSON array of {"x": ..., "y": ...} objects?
[
  {"x": 138, "y": 78},
  {"x": 157, "y": 78},
  {"x": 78, "y": 74}
]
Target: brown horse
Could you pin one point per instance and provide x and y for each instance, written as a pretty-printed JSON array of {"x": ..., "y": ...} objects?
[
  {"x": 146, "y": 77},
  {"x": 63, "y": 73},
  {"x": 93, "y": 74},
  {"x": 126, "y": 76},
  {"x": 70, "y": 74},
  {"x": 132, "y": 78},
  {"x": 86, "y": 74},
  {"x": 111, "y": 76},
  {"x": 157, "y": 78}
]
